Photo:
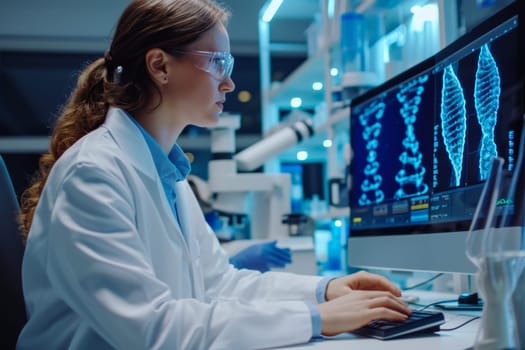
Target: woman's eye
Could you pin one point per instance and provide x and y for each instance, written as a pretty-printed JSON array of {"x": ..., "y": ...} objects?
[{"x": 218, "y": 61}]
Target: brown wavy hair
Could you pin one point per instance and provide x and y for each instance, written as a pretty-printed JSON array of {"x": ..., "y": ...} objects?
[{"x": 144, "y": 24}]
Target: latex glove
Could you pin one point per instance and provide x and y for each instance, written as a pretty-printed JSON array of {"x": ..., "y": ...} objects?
[{"x": 262, "y": 257}]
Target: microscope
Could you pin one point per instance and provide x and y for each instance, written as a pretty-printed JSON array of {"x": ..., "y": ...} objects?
[{"x": 263, "y": 197}]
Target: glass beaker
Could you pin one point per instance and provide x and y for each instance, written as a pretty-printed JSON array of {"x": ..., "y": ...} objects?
[
  {"x": 353, "y": 42},
  {"x": 494, "y": 245}
]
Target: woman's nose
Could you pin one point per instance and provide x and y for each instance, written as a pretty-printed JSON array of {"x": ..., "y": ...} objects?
[{"x": 227, "y": 85}]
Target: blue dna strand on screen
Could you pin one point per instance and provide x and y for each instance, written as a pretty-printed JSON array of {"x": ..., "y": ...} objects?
[
  {"x": 486, "y": 101},
  {"x": 453, "y": 121},
  {"x": 370, "y": 119},
  {"x": 411, "y": 175}
]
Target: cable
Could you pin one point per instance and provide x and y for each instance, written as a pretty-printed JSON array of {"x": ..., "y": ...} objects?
[
  {"x": 459, "y": 326},
  {"x": 424, "y": 282},
  {"x": 423, "y": 307},
  {"x": 436, "y": 303}
]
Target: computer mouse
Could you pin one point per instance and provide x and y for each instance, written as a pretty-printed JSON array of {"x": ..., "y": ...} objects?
[{"x": 469, "y": 298}]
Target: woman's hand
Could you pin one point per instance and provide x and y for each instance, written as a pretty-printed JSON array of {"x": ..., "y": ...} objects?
[
  {"x": 359, "y": 281},
  {"x": 358, "y": 308},
  {"x": 356, "y": 300}
]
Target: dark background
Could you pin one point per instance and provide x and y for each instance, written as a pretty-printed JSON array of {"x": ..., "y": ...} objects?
[{"x": 34, "y": 86}]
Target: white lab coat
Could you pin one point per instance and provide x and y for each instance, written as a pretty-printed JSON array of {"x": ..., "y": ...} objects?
[{"x": 106, "y": 265}]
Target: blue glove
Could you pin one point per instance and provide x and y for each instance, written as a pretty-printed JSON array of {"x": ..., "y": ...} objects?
[{"x": 262, "y": 257}]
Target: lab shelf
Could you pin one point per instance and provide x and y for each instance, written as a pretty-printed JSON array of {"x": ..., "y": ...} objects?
[
  {"x": 299, "y": 84},
  {"x": 330, "y": 120}
]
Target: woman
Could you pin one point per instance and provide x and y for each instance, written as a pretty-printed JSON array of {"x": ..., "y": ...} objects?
[{"x": 119, "y": 257}]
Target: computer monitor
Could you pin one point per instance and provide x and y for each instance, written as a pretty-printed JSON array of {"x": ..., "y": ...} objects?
[{"x": 422, "y": 145}]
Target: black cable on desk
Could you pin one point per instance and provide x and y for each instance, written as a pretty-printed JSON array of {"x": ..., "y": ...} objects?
[
  {"x": 436, "y": 303},
  {"x": 444, "y": 302},
  {"x": 424, "y": 282},
  {"x": 459, "y": 326}
]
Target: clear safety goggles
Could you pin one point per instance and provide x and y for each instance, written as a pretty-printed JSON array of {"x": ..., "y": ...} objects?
[{"x": 219, "y": 64}]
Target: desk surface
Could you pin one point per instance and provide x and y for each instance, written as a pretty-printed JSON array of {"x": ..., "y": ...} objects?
[{"x": 461, "y": 338}]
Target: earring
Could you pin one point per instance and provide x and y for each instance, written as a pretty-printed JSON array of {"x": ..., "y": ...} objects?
[{"x": 166, "y": 78}]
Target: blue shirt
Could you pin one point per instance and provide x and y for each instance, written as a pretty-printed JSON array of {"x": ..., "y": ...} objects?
[
  {"x": 316, "y": 317},
  {"x": 175, "y": 166}
]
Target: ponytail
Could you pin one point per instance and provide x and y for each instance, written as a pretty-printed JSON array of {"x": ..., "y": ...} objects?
[{"x": 84, "y": 111}]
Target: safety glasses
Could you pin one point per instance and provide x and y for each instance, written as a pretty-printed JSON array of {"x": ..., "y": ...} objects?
[{"x": 219, "y": 64}]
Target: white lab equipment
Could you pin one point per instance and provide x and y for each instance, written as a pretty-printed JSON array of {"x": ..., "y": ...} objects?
[
  {"x": 254, "y": 156},
  {"x": 264, "y": 197}
]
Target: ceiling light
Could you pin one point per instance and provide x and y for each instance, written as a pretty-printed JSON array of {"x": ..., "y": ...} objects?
[
  {"x": 296, "y": 102},
  {"x": 317, "y": 86},
  {"x": 271, "y": 9},
  {"x": 302, "y": 155},
  {"x": 327, "y": 143}
]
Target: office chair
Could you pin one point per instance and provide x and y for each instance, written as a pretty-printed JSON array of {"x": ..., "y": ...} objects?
[{"x": 13, "y": 312}]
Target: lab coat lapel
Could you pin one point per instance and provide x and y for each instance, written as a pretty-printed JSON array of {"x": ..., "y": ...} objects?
[
  {"x": 189, "y": 212},
  {"x": 131, "y": 141}
]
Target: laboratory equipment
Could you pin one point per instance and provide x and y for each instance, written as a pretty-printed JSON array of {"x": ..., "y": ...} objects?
[
  {"x": 495, "y": 246},
  {"x": 299, "y": 224},
  {"x": 286, "y": 136},
  {"x": 353, "y": 42},
  {"x": 338, "y": 192},
  {"x": 422, "y": 145},
  {"x": 264, "y": 197}
]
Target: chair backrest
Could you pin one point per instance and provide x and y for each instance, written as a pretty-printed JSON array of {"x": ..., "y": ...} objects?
[{"x": 13, "y": 312}]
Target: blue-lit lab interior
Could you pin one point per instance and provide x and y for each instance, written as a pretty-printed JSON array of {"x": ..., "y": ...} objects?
[{"x": 378, "y": 135}]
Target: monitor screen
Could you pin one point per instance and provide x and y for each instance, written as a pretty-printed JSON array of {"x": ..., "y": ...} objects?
[{"x": 423, "y": 143}]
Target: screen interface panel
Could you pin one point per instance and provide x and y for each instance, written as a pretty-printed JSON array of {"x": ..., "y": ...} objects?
[{"x": 423, "y": 146}]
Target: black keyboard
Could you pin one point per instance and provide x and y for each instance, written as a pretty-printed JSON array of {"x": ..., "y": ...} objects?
[{"x": 417, "y": 322}]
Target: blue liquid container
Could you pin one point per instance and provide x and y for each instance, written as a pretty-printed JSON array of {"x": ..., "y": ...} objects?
[{"x": 353, "y": 42}]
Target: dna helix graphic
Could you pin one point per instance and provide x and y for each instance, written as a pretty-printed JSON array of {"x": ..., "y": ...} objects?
[
  {"x": 411, "y": 175},
  {"x": 453, "y": 121},
  {"x": 370, "y": 119},
  {"x": 486, "y": 102}
]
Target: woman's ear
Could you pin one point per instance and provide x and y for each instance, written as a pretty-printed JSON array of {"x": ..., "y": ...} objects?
[{"x": 157, "y": 65}]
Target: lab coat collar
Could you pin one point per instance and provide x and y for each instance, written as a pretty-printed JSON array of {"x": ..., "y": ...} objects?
[{"x": 129, "y": 138}]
